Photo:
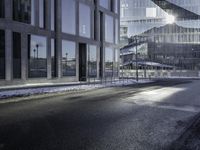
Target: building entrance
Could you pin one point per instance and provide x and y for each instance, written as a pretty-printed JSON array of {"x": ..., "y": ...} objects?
[{"x": 82, "y": 62}]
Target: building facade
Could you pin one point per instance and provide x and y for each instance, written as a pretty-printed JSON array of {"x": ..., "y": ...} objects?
[
  {"x": 58, "y": 40},
  {"x": 171, "y": 32}
]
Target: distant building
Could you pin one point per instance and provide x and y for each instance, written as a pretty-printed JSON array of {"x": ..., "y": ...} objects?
[
  {"x": 58, "y": 40},
  {"x": 172, "y": 38}
]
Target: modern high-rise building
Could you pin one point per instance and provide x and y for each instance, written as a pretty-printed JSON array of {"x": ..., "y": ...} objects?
[
  {"x": 168, "y": 30},
  {"x": 58, "y": 40}
]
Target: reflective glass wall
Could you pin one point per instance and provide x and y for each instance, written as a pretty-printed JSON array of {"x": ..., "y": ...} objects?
[
  {"x": 37, "y": 56},
  {"x": 24, "y": 11},
  {"x": 2, "y": 13},
  {"x": 92, "y": 61},
  {"x": 68, "y": 58},
  {"x": 84, "y": 20},
  {"x": 68, "y": 16}
]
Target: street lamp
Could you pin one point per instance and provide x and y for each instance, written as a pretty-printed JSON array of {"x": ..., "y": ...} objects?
[{"x": 37, "y": 47}]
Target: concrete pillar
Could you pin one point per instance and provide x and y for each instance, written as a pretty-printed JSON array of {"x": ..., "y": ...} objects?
[
  {"x": 8, "y": 43},
  {"x": 49, "y": 76},
  {"x": 24, "y": 56},
  {"x": 77, "y": 45},
  {"x": 58, "y": 39},
  {"x": 8, "y": 55},
  {"x": 36, "y": 13},
  {"x": 48, "y": 27}
]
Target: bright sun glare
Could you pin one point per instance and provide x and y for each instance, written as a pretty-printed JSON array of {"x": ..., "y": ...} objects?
[{"x": 170, "y": 19}]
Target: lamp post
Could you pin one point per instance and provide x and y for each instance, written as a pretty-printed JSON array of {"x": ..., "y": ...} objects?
[
  {"x": 37, "y": 47},
  {"x": 136, "y": 58}
]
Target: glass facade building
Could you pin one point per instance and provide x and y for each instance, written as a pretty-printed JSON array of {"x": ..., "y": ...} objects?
[
  {"x": 169, "y": 29},
  {"x": 58, "y": 40}
]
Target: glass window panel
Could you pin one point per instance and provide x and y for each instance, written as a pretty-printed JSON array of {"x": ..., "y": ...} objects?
[
  {"x": 84, "y": 20},
  {"x": 109, "y": 36},
  {"x": 104, "y": 3},
  {"x": 68, "y": 58},
  {"x": 2, "y": 54},
  {"x": 37, "y": 56},
  {"x": 68, "y": 16},
  {"x": 108, "y": 61},
  {"x": 92, "y": 61},
  {"x": 16, "y": 55},
  {"x": 23, "y": 11},
  {"x": 2, "y": 9}
]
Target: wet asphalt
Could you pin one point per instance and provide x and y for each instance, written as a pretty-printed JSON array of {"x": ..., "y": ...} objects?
[{"x": 139, "y": 117}]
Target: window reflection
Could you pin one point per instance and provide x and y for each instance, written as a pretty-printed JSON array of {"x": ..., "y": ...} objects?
[
  {"x": 104, "y": 3},
  {"x": 84, "y": 20},
  {"x": 2, "y": 54},
  {"x": 108, "y": 62},
  {"x": 23, "y": 11},
  {"x": 2, "y": 9},
  {"x": 68, "y": 16},
  {"x": 92, "y": 61},
  {"x": 68, "y": 58},
  {"x": 37, "y": 56}
]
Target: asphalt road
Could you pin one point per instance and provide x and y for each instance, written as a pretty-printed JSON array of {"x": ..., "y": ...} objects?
[{"x": 139, "y": 117}]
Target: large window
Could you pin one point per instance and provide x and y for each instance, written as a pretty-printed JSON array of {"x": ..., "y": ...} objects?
[
  {"x": 68, "y": 58},
  {"x": 92, "y": 61},
  {"x": 23, "y": 11},
  {"x": 84, "y": 20},
  {"x": 68, "y": 16},
  {"x": 2, "y": 54},
  {"x": 37, "y": 56},
  {"x": 2, "y": 9},
  {"x": 109, "y": 29},
  {"x": 104, "y": 3},
  {"x": 108, "y": 62},
  {"x": 16, "y": 55}
]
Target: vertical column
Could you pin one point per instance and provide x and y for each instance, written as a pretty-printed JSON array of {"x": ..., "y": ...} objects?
[
  {"x": 9, "y": 59},
  {"x": 36, "y": 13},
  {"x": 8, "y": 42},
  {"x": 48, "y": 27},
  {"x": 102, "y": 23},
  {"x": 58, "y": 38},
  {"x": 24, "y": 56},
  {"x": 77, "y": 44},
  {"x": 49, "y": 67}
]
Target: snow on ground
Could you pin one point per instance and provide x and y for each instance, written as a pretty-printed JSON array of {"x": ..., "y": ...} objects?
[{"x": 56, "y": 89}]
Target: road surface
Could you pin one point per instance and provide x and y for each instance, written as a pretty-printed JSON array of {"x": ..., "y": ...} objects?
[{"x": 138, "y": 117}]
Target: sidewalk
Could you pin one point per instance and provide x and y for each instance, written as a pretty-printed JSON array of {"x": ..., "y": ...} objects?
[{"x": 44, "y": 88}]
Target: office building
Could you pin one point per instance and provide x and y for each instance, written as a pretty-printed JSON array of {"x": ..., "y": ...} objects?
[{"x": 58, "y": 40}]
